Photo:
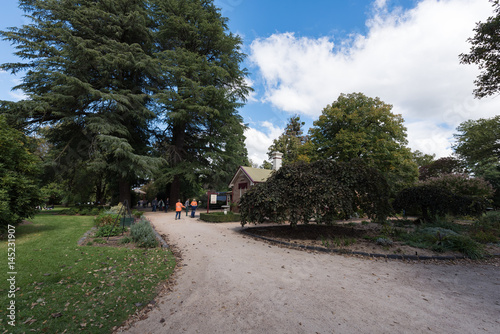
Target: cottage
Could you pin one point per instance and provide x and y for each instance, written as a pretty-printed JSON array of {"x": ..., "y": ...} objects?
[{"x": 246, "y": 177}]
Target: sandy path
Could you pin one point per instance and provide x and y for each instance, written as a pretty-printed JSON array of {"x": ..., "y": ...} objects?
[{"x": 234, "y": 284}]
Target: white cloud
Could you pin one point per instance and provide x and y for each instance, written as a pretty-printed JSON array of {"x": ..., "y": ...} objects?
[
  {"x": 408, "y": 58},
  {"x": 258, "y": 141}
]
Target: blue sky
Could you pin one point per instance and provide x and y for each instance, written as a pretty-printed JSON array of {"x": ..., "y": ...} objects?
[{"x": 303, "y": 54}]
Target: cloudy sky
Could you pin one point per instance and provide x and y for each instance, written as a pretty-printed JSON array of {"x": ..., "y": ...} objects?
[
  {"x": 302, "y": 57},
  {"x": 303, "y": 54}
]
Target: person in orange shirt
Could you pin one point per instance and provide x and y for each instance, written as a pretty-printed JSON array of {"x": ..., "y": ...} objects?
[
  {"x": 194, "y": 205},
  {"x": 178, "y": 209}
]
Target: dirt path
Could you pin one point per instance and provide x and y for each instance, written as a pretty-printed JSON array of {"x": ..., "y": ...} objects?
[{"x": 234, "y": 284}]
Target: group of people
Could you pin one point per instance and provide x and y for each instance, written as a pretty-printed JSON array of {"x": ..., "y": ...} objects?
[
  {"x": 160, "y": 205},
  {"x": 163, "y": 206},
  {"x": 179, "y": 207}
]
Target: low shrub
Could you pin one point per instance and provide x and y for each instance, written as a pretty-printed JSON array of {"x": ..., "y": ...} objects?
[
  {"x": 84, "y": 212},
  {"x": 143, "y": 235},
  {"x": 137, "y": 213},
  {"x": 440, "y": 240},
  {"x": 220, "y": 217},
  {"x": 487, "y": 228},
  {"x": 464, "y": 245},
  {"x": 105, "y": 220},
  {"x": 109, "y": 231},
  {"x": 95, "y": 211},
  {"x": 69, "y": 212}
]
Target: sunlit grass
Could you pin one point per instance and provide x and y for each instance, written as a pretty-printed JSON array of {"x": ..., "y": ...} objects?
[{"x": 63, "y": 286}]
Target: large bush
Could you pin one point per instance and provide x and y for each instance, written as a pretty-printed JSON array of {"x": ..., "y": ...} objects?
[
  {"x": 462, "y": 184},
  {"x": 432, "y": 201},
  {"x": 19, "y": 170},
  {"x": 143, "y": 235},
  {"x": 324, "y": 190}
]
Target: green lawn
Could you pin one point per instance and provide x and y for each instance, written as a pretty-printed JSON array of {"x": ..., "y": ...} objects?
[{"x": 63, "y": 286}]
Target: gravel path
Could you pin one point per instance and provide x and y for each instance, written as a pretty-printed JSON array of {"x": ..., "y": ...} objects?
[{"x": 231, "y": 283}]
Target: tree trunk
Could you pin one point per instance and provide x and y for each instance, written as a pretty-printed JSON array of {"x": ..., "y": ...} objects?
[
  {"x": 125, "y": 194},
  {"x": 179, "y": 141},
  {"x": 175, "y": 189}
]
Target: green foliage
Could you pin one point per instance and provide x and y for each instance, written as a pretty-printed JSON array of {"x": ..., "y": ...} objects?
[
  {"x": 137, "y": 213},
  {"x": 440, "y": 239},
  {"x": 143, "y": 235},
  {"x": 220, "y": 217},
  {"x": 356, "y": 126},
  {"x": 422, "y": 159},
  {"x": 53, "y": 193},
  {"x": 478, "y": 144},
  {"x": 462, "y": 184},
  {"x": 447, "y": 165},
  {"x": 19, "y": 170},
  {"x": 109, "y": 231},
  {"x": 200, "y": 88},
  {"x": 105, "y": 220},
  {"x": 324, "y": 190},
  {"x": 86, "y": 67},
  {"x": 433, "y": 201},
  {"x": 125, "y": 240},
  {"x": 487, "y": 228},
  {"x": 484, "y": 52},
  {"x": 291, "y": 143}
]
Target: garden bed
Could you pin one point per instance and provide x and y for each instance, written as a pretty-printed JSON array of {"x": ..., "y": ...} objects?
[{"x": 359, "y": 236}]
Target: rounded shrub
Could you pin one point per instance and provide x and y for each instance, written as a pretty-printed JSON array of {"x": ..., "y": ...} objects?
[{"x": 143, "y": 235}]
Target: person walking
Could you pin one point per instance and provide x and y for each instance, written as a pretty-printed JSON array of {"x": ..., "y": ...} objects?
[
  {"x": 178, "y": 209},
  {"x": 161, "y": 204},
  {"x": 154, "y": 204},
  {"x": 194, "y": 205},
  {"x": 187, "y": 206},
  {"x": 167, "y": 204}
]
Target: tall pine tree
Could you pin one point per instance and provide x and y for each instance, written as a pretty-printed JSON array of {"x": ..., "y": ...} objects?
[
  {"x": 87, "y": 67},
  {"x": 199, "y": 90}
]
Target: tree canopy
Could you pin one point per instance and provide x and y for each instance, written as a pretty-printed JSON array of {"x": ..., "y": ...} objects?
[
  {"x": 485, "y": 52},
  {"x": 357, "y": 126},
  {"x": 478, "y": 145},
  {"x": 19, "y": 171},
  {"x": 292, "y": 143},
  {"x": 324, "y": 190},
  {"x": 446, "y": 165},
  {"x": 127, "y": 90}
]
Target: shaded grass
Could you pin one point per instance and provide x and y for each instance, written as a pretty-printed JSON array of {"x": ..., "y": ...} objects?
[{"x": 84, "y": 289}]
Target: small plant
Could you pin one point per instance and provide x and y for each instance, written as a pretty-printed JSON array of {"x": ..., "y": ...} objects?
[
  {"x": 99, "y": 241},
  {"x": 95, "y": 211},
  {"x": 465, "y": 245},
  {"x": 109, "y": 231},
  {"x": 487, "y": 228},
  {"x": 387, "y": 230},
  {"x": 325, "y": 242},
  {"x": 104, "y": 220},
  {"x": 84, "y": 212},
  {"x": 349, "y": 241},
  {"x": 143, "y": 235},
  {"x": 384, "y": 242},
  {"x": 125, "y": 240},
  {"x": 365, "y": 222},
  {"x": 137, "y": 213}
]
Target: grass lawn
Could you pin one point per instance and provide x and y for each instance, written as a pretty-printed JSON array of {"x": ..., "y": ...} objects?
[{"x": 66, "y": 288}]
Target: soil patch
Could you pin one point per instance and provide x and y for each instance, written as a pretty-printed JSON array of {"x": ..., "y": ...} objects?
[{"x": 112, "y": 241}]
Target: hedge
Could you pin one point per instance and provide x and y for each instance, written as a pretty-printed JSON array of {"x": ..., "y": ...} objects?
[{"x": 220, "y": 217}]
